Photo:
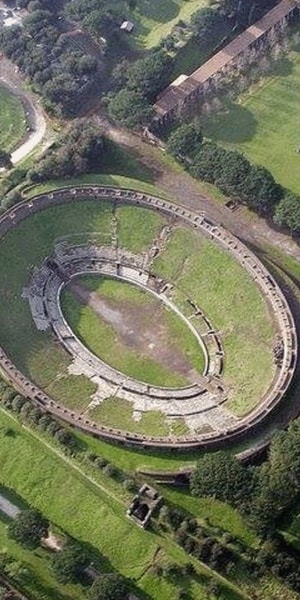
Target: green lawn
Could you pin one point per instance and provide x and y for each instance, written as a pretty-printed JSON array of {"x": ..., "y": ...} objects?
[
  {"x": 12, "y": 120},
  {"x": 89, "y": 512},
  {"x": 154, "y": 19},
  {"x": 38, "y": 581},
  {"x": 94, "y": 178},
  {"x": 100, "y": 337},
  {"x": 226, "y": 293},
  {"x": 115, "y": 412},
  {"x": 86, "y": 504},
  {"x": 264, "y": 123}
]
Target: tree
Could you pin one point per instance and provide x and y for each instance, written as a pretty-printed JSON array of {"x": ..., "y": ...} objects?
[
  {"x": 203, "y": 22},
  {"x": 278, "y": 480},
  {"x": 110, "y": 586},
  {"x": 28, "y": 528},
  {"x": 69, "y": 563},
  {"x": 65, "y": 437},
  {"x": 208, "y": 161},
  {"x": 130, "y": 108},
  {"x": 5, "y": 160},
  {"x": 232, "y": 172},
  {"x": 259, "y": 189},
  {"x": 186, "y": 140},
  {"x": 148, "y": 76},
  {"x": 222, "y": 476},
  {"x": 17, "y": 403},
  {"x": 287, "y": 213}
]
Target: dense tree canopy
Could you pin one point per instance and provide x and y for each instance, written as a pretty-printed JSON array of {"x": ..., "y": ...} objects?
[
  {"x": 59, "y": 69},
  {"x": 110, "y": 586},
  {"x": 69, "y": 563},
  {"x": 28, "y": 528},
  {"x": 130, "y": 109},
  {"x": 222, "y": 476},
  {"x": 207, "y": 162},
  {"x": 81, "y": 149},
  {"x": 260, "y": 190},
  {"x": 186, "y": 140},
  {"x": 287, "y": 213},
  {"x": 278, "y": 480}
]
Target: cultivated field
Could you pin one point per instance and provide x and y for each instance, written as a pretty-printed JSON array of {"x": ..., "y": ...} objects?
[
  {"x": 264, "y": 123},
  {"x": 12, "y": 120},
  {"x": 199, "y": 269}
]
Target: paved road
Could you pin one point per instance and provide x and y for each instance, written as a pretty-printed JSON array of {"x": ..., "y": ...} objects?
[{"x": 11, "y": 78}]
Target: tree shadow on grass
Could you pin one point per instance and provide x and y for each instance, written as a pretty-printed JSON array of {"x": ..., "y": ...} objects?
[
  {"x": 282, "y": 67},
  {"x": 161, "y": 12},
  {"x": 119, "y": 161},
  {"x": 234, "y": 125}
]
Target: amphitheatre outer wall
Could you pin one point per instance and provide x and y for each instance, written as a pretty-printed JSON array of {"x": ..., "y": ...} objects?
[{"x": 268, "y": 286}]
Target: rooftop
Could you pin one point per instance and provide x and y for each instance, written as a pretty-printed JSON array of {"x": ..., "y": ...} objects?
[{"x": 183, "y": 85}]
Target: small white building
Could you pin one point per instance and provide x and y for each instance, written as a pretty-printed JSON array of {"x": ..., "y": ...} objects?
[{"x": 127, "y": 26}]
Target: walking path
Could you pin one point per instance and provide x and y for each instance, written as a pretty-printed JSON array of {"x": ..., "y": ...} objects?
[
  {"x": 35, "y": 119},
  {"x": 8, "y": 508}
]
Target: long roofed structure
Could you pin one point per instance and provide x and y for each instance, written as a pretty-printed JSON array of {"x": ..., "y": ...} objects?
[{"x": 186, "y": 89}]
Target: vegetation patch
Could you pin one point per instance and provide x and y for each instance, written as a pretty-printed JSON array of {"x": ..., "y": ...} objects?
[
  {"x": 27, "y": 466},
  {"x": 264, "y": 123},
  {"x": 133, "y": 331},
  {"x": 12, "y": 120},
  {"x": 155, "y": 21},
  {"x": 118, "y": 413},
  {"x": 226, "y": 293}
]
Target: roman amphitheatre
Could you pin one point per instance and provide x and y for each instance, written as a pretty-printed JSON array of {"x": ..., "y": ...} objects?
[{"x": 139, "y": 321}]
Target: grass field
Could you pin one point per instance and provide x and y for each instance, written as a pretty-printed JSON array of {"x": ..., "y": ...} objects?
[
  {"x": 264, "y": 123},
  {"x": 103, "y": 339},
  {"x": 90, "y": 512},
  {"x": 12, "y": 120},
  {"x": 154, "y": 19},
  {"x": 234, "y": 305},
  {"x": 86, "y": 504}
]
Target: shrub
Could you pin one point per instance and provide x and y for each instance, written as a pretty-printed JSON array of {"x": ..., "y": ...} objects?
[{"x": 28, "y": 528}]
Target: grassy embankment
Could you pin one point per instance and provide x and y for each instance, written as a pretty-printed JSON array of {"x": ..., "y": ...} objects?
[{"x": 12, "y": 120}]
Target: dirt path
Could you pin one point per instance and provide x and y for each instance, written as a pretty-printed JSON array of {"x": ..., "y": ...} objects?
[
  {"x": 8, "y": 508},
  {"x": 10, "y": 77},
  {"x": 187, "y": 191}
]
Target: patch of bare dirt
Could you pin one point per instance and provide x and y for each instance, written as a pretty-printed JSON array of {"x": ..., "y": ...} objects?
[{"x": 141, "y": 328}]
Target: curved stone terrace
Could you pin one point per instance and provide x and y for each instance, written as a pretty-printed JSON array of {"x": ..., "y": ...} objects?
[{"x": 269, "y": 287}]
